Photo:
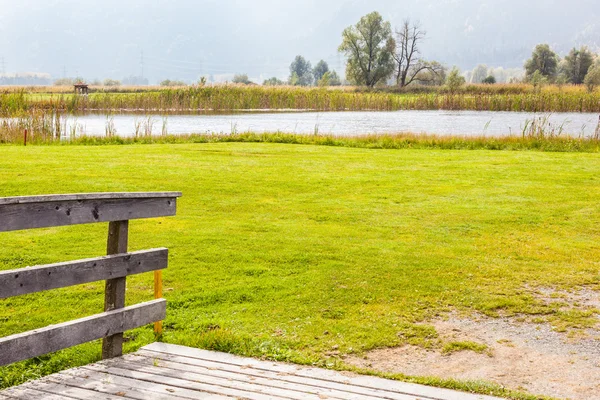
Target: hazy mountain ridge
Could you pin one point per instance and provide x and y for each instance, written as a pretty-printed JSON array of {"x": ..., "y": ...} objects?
[{"x": 185, "y": 39}]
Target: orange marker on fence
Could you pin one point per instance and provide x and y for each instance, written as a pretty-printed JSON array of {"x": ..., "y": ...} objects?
[{"x": 158, "y": 292}]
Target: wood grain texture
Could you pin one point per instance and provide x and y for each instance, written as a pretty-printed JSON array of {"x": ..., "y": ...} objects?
[
  {"x": 87, "y": 196},
  {"x": 130, "y": 388},
  {"x": 242, "y": 372},
  {"x": 57, "y": 337},
  {"x": 177, "y": 372},
  {"x": 302, "y": 387},
  {"x": 421, "y": 391},
  {"x": 26, "y": 393},
  {"x": 198, "y": 386},
  {"x": 53, "y": 276},
  {"x": 114, "y": 293},
  {"x": 59, "y": 212},
  {"x": 66, "y": 392}
]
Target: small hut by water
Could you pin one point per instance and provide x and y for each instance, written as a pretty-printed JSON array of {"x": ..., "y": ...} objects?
[{"x": 81, "y": 88}]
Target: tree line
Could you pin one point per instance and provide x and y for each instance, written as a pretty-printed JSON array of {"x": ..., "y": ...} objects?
[
  {"x": 580, "y": 66},
  {"x": 378, "y": 55}
]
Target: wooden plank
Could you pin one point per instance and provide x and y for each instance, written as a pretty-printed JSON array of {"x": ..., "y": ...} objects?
[
  {"x": 72, "y": 210},
  {"x": 69, "y": 392},
  {"x": 304, "y": 388},
  {"x": 26, "y": 393},
  {"x": 53, "y": 276},
  {"x": 191, "y": 364},
  {"x": 57, "y": 337},
  {"x": 317, "y": 373},
  {"x": 102, "y": 384},
  {"x": 187, "y": 378},
  {"x": 132, "y": 388},
  {"x": 202, "y": 386},
  {"x": 114, "y": 293},
  {"x": 87, "y": 196}
]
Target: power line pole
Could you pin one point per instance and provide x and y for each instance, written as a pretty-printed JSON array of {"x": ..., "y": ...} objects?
[{"x": 3, "y": 67}]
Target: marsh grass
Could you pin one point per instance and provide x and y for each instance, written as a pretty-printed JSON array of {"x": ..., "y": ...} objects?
[
  {"x": 233, "y": 97},
  {"x": 110, "y": 129},
  {"x": 540, "y": 141},
  {"x": 43, "y": 127}
]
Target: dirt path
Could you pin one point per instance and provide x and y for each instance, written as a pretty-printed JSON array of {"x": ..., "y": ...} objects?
[{"x": 522, "y": 356}]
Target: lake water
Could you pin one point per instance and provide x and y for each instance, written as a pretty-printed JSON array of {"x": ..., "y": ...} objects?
[{"x": 347, "y": 123}]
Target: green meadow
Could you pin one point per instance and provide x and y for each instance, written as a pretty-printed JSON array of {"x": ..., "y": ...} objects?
[{"x": 306, "y": 253}]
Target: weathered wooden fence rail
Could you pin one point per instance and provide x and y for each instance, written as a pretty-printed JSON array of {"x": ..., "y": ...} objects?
[{"x": 18, "y": 213}]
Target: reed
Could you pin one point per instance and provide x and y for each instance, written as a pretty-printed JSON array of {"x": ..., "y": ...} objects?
[
  {"x": 540, "y": 140},
  {"x": 233, "y": 97}
]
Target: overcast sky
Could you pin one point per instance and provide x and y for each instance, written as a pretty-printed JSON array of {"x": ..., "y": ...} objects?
[{"x": 184, "y": 39}]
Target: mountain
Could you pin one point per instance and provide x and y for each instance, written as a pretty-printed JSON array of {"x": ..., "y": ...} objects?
[{"x": 184, "y": 39}]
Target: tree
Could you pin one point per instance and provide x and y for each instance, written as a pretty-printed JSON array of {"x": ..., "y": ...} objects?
[
  {"x": 111, "y": 82},
  {"x": 490, "y": 80},
  {"x": 334, "y": 79},
  {"x": 455, "y": 80},
  {"x": 561, "y": 80},
  {"x": 435, "y": 76},
  {"x": 64, "y": 82},
  {"x": 538, "y": 80},
  {"x": 542, "y": 59},
  {"x": 273, "y": 82},
  {"x": 241, "y": 79},
  {"x": 409, "y": 66},
  {"x": 302, "y": 71},
  {"x": 577, "y": 64},
  {"x": 592, "y": 79},
  {"x": 320, "y": 69},
  {"x": 324, "y": 81},
  {"x": 168, "y": 82},
  {"x": 369, "y": 46},
  {"x": 480, "y": 72}
]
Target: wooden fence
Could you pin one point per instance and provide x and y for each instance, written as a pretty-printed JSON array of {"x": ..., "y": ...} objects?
[{"x": 19, "y": 213}]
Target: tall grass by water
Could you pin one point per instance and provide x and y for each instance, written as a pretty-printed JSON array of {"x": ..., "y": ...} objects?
[
  {"x": 533, "y": 138},
  {"x": 235, "y": 97}
]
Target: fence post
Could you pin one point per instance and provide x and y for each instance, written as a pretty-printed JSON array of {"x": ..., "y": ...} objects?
[
  {"x": 114, "y": 295},
  {"x": 25, "y": 138}
]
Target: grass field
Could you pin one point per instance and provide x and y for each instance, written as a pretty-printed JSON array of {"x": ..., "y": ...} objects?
[{"x": 303, "y": 253}]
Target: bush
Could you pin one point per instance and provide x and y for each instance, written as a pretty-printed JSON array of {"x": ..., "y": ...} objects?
[
  {"x": 168, "y": 82},
  {"x": 242, "y": 79},
  {"x": 592, "y": 79},
  {"x": 273, "y": 82},
  {"x": 455, "y": 80},
  {"x": 111, "y": 82}
]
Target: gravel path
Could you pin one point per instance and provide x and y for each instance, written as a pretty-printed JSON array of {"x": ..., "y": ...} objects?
[{"x": 522, "y": 356}]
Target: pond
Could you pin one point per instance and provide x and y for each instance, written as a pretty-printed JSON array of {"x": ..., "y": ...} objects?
[{"x": 347, "y": 123}]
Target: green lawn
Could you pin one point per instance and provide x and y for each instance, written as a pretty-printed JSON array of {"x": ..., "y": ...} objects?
[{"x": 290, "y": 251}]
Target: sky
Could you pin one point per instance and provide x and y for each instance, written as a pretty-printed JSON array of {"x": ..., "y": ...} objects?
[{"x": 186, "y": 39}]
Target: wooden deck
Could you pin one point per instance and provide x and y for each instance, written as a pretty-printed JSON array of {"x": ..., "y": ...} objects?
[{"x": 170, "y": 372}]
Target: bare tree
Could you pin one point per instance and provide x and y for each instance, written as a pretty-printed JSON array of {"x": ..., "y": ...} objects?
[{"x": 409, "y": 64}]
